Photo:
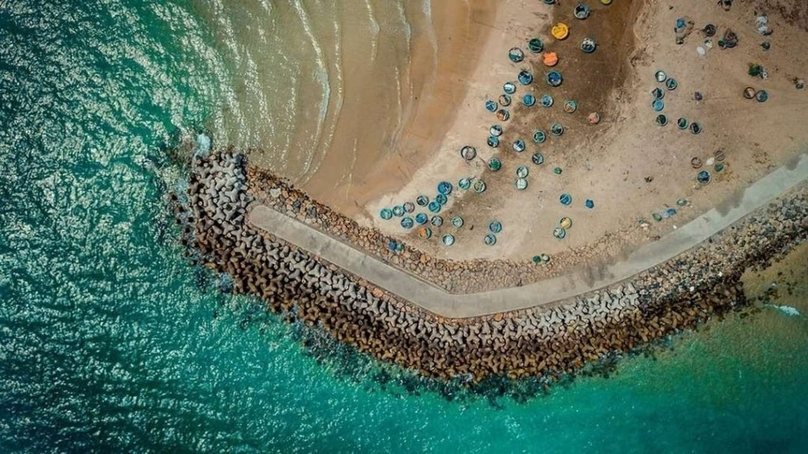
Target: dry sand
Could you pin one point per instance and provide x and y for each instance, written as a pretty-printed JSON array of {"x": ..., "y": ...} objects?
[
  {"x": 609, "y": 162},
  {"x": 627, "y": 165}
]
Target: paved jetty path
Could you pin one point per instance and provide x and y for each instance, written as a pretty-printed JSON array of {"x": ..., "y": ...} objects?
[{"x": 438, "y": 301}]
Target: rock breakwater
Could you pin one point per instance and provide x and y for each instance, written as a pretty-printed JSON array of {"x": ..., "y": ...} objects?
[{"x": 545, "y": 341}]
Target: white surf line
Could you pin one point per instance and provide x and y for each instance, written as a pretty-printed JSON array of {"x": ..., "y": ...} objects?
[{"x": 438, "y": 301}]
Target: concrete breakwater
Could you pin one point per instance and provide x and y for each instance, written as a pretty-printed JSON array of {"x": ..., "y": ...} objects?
[
  {"x": 453, "y": 276},
  {"x": 542, "y": 341}
]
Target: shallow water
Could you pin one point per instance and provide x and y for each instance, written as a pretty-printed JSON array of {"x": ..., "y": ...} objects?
[
  {"x": 290, "y": 71},
  {"x": 110, "y": 341}
]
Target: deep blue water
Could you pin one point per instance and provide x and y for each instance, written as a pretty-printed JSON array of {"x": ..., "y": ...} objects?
[{"x": 110, "y": 341}]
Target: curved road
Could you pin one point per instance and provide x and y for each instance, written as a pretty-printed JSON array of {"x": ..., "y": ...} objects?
[{"x": 438, "y": 301}]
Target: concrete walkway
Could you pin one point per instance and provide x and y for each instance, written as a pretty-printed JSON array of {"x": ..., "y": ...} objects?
[{"x": 438, "y": 301}]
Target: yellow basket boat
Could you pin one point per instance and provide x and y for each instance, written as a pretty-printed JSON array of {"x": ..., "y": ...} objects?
[{"x": 560, "y": 31}]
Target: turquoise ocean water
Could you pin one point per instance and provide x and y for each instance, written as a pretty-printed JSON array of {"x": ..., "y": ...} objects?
[{"x": 110, "y": 341}]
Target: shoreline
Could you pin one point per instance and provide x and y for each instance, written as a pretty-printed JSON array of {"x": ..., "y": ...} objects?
[
  {"x": 540, "y": 341},
  {"x": 443, "y": 63}
]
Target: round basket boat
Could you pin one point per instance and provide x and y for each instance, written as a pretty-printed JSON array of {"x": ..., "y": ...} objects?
[
  {"x": 504, "y": 100},
  {"x": 468, "y": 152},
  {"x": 749, "y": 92},
  {"x": 565, "y": 223},
  {"x": 495, "y": 226},
  {"x": 495, "y": 130},
  {"x": 559, "y": 233},
  {"x": 565, "y": 199},
  {"x": 549, "y": 59},
  {"x": 479, "y": 186},
  {"x": 588, "y": 45},
  {"x": 658, "y": 105},
  {"x": 434, "y": 206},
  {"x": 516, "y": 55},
  {"x": 386, "y": 214},
  {"x": 556, "y": 129},
  {"x": 457, "y": 222},
  {"x": 594, "y": 118},
  {"x": 581, "y": 11},
  {"x": 554, "y": 78},
  {"x": 695, "y": 128},
  {"x": 437, "y": 221},
  {"x": 425, "y": 233},
  {"x": 409, "y": 207},
  {"x": 503, "y": 115},
  {"x": 464, "y": 183},
  {"x": 660, "y": 76},
  {"x": 529, "y": 100},
  {"x": 671, "y": 84},
  {"x": 493, "y": 141},
  {"x": 407, "y": 223},
  {"x": 398, "y": 210},
  {"x": 547, "y": 101},
  {"x": 537, "y": 158},
  {"x": 658, "y": 93},
  {"x": 570, "y": 106},
  {"x": 525, "y": 77},
  {"x": 539, "y": 136},
  {"x": 522, "y": 172},
  {"x": 560, "y": 31},
  {"x": 421, "y": 218},
  {"x": 422, "y": 200},
  {"x": 703, "y": 177},
  {"x": 447, "y": 239},
  {"x": 661, "y": 119},
  {"x": 494, "y": 164},
  {"x": 682, "y": 123},
  {"x": 518, "y": 145},
  {"x": 509, "y": 88},
  {"x": 762, "y": 96},
  {"x": 445, "y": 188},
  {"x": 491, "y": 106},
  {"x": 535, "y": 45},
  {"x": 441, "y": 199},
  {"x": 490, "y": 240}
]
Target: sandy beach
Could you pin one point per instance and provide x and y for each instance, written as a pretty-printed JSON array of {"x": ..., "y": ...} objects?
[
  {"x": 368, "y": 158},
  {"x": 627, "y": 165},
  {"x": 639, "y": 177}
]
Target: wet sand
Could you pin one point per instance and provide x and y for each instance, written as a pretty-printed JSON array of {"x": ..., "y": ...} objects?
[{"x": 368, "y": 158}]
